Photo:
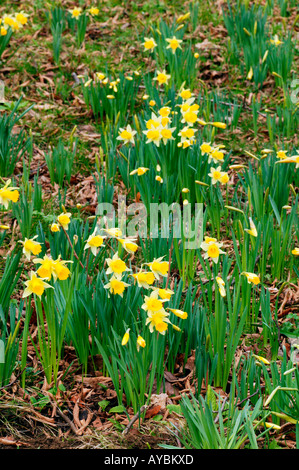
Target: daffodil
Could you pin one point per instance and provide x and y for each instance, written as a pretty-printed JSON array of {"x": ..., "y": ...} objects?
[
  {"x": 221, "y": 286},
  {"x": 154, "y": 122},
  {"x": 126, "y": 337},
  {"x": 252, "y": 278},
  {"x": 46, "y": 269},
  {"x": 215, "y": 174},
  {"x": 144, "y": 279},
  {"x": 152, "y": 303},
  {"x": 220, "y": 125},
  {"x": 153, "y": 135},
  {"x": 213, "y": 252},
  {"x": 174, "y": 44},
  {"x": 55, "y": 227},
  {"x": 159, "y": 179},
  {"x": 276, "y": 41},
  {"x": 94, "y": 11},
  {"x": 31, "y": 247},
  {"x": 187, "y": 133},
  {"x": 207, "y": 241},
  {"x": 262, "y": 359},
  {"x": 252, "y": 231},
  {"x": 162, "y": 77},
  {"x": 8, "y": 193},
  {"x": 164, "y": 111},
  {"x": 35, "y": 286},
  {"x": 250, "y": 74},
  {"x": 128, "y": 245},
  {"x": 140, "y": 342},
  {"x": 61, "y": 271},
  {"x": 149, "y": 44},
  {"x": 185, "y": 94},
  {"x": 293, "y": 159},
  {"x": 116, "y": 286},
  {"x": 9, "y": 21},
  {"x": 166, "y": 134},
  {"x": 224, "y": 177},
  {"x": 116, "y": 266},
  {"x": 158, "y": 320},
  {"x": 216, "y": 155},
  {"x": 21, "y": 18},
  {"x": 64, "y": 220},
  {"x": 281, "y": 154},
  {"x": 139, "y": 171},
  {"x": 205, "y": 147},
  {"x": 3, "y": 31},
  {"x": 295, "y": 251},
  {"x": 212, "y": 249},
  {"x": 152, "y": 103},
  {"x": 113, "y": 232},
  {"x": 93, "y": 242},
  {"x": 179, "y": 313},
  {"x": 165, "y": 294},
  {"x": 100, "y": 76},
  {"x": 76, "y": 12},
  {"x": 159, "y": 267}
]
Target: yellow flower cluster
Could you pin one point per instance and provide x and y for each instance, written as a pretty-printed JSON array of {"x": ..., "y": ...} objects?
[
  {"x": 150, "y": 44},
  {"x": 48, "y": 269},
  {"x": 77, "y": 12},
  {"x": 15, "y": 21}
]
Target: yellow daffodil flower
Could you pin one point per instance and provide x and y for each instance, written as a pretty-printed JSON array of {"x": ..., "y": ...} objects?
[
  {"x": 31, "y": 247},
  {"x": 8, "y": 193},
  {"x": 93, "y": 242},
  {"x": 215, "y": 174},
  {"x": 179, "y": 313},
  {"x": 144, "y": 279},
  {"x": 139, "y": 171},
  {"x": 221, "y": 286},
  {"x": 126, "y": 135},
  {"x": 116, "y": 286},
  {"x": 149, "y": 44},
  {"x": 173, "y": 44},
  {"x": 140, "y": 342},
  {"x": 94, "y": 11},
  {"x": 128, "y": 245},
  {"x": 159, "y": 267},
  {"x": 64, "y": 219},
  {"x": 157, "y": 320},
  {"x": 252, "y": 231},
  {"x": 35, "y": 286},
  {"x": 46, "y": 270},
  {"x": 116, "y": 266},
  {"x": 76, "y": 12},
  {"x": 152, "y": 303},
  {"x": 162, "y": 77},
  {"x": 126, "y": 337},
  {"x": 252, "y": 278}
]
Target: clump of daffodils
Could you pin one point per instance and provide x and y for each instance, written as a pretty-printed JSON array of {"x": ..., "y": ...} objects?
[
  {"x": 158, "y": 127},
  {"x": 13, "y": 22}
]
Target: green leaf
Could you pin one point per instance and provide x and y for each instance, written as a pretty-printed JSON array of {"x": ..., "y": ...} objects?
[
  {"x": 103, "y": 404},
  {"x": 157, "y": 418},
  {"x": 118, "y": 409},
  {"x": 175, "y": 409},
  {"x": 211, "y": 398}
]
